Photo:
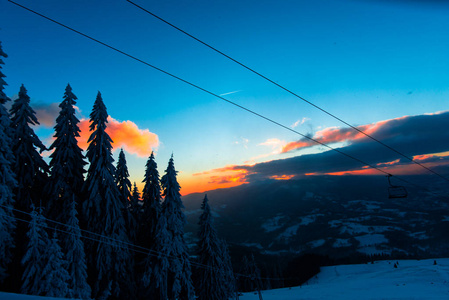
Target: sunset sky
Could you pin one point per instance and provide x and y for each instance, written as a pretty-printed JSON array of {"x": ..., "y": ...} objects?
[{"x": 381, "y": 65}]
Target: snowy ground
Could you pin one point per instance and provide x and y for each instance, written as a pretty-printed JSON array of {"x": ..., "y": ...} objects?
[
  {"x": 8, "y": 296},
  {"x": 411, "y": 280}
]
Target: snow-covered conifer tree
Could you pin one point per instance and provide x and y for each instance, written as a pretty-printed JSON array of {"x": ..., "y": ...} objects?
[
  {"x": 124, "y": 188},
  {"x": 253, "y": 271},
  {"x": 228, "y": 272},
  {"x": 3, "y": 97},
  {"x": 210, "y": 283},
  {"x": 67, "y": 161},
  {"x": 7, "y": 183},
  {"x": 107, "y": 259},
  {"x": 246, "y": 284},
  {"x": 149, "y": 220},
  {"x": 179, "y": 277},
  {"x": 135, "y": 206},
  {"x": 30, "y": 168},
  {"x": 54, "y": 275},
  {"x": 157, "y": 263},
  {"x": 151, "y": 197},
  {"x": 35, "y": 259},
  {"x": 73, "y": 247}
]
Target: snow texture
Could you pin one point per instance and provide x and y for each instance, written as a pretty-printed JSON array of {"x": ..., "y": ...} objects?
[{"x": 411, "y": 280}]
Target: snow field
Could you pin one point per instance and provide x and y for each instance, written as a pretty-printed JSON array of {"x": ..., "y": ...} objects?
[{"x": 412, "y": 279}]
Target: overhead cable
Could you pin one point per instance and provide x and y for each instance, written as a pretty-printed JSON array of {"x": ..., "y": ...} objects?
[
  {"x": 216, "y": 95},
  {"x": 117, "y": 243},
  {"x": 286, "y": 89}
]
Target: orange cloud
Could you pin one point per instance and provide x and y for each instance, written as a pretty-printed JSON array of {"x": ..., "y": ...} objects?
[
  {"x": 226, "y": 177},
  {"x": 296, "y": 145},
  {"x": 124, "y": 134},
  {"x": 433, "y": 156},
  {"x": 282, "y": 177},
  {"x": 338, "y": 135},
  {"x": 390, "y": 163},
  {"x": 397, "y": 169}
]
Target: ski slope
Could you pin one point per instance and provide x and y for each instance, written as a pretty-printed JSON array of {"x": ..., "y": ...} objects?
[{"x": 412, "y": 279}]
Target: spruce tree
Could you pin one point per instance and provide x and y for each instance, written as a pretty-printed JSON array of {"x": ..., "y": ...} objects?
[
  {"x": 135, "y": 207},
  {"x": 151, "y": 197},
  {"x": 107, "y": 259},
  {"x": 157, "y": 263},
  {"x": 35, "y": 259},
  {"x": 149, "y": 220},
  {"x": 7, "y": 184},
  {"x": 30, "y": 168},
  {"x": 210, "y": 283},
  {"x": 3, "y": 97},
  {"x": 253, "y": 271},
  {"x": 179, "y": 277},
  {"x": 67, "y": 161},
  {"x": 73, "y": 247},
  {"x": 54, "y": 274},
  {"x": 228, "y": 272},
  {"x": 124, "y": 188}
]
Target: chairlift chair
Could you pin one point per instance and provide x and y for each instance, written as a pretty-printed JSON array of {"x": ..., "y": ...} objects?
[{"x": 396, "y": 191}]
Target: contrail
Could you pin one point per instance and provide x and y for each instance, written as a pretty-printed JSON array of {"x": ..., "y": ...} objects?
[{"x": 230, "y": 93}]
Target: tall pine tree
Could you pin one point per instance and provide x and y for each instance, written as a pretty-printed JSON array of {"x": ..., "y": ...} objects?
[
  {"x": 180, "y": 284},
  {"x": 135, "y": 207},
  {"x": 7, "y": 184},
  {"x": 109, "y": 273},
  {"x": 31, "y": 173},
  {"x": 35, "y": 258},
  {"x": 151, "y": 197},
  {"x": 157, "y": 264},
  {"x": 124, "y": 188},
  {"x": 31, "y": 170},
  {"x": 3, "y": 97},
  {"x": 148, "y": 223},
  {"x": 67, "y": 161},
  {"x": 228, "y": 272},
  {"x": 73, "y": 247},
  {"x": 211, "y": 279},
  {"x": 55, "y": 276}
]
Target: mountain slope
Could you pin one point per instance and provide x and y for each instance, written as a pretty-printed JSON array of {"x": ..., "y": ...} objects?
[
  {"x": 412, "y": 279},
  {"x": 339, "y": 216}
]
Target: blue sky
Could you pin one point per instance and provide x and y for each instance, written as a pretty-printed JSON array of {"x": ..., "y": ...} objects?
[{"x": 364, "y": 61}]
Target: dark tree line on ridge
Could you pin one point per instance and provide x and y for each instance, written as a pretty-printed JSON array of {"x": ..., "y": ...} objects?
[{"x": 71, "y": 233}]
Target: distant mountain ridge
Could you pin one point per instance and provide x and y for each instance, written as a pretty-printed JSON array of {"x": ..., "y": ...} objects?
[{"x": 338, "y": 216}]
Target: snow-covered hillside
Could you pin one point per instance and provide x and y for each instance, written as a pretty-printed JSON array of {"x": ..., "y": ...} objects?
[
  {"x": 9, "y": 296},
  {"x": 412, "y": 279}
]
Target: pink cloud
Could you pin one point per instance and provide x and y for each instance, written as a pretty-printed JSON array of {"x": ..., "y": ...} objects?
[{"x": 338, "y": 135}]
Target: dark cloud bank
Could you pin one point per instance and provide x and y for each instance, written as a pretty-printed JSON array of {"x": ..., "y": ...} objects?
[{"x": 414, "y": 135}]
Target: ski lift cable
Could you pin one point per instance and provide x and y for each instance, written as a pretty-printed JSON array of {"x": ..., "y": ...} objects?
[
  {"x": 287, "y": 90},
  {"x": 122, "y": 244},
  {"x": 117, "y": 243},
  {"x": 211, "y": 93},
  {"x": 138, "y": 248}
]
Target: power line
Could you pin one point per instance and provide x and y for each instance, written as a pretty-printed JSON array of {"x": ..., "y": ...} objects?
[
  {"x": 135, "y": 247},
  {"x": 216, "y": 95},
  {"x": 286, "y": 89},
  {"x": 115, "y": 242}
]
